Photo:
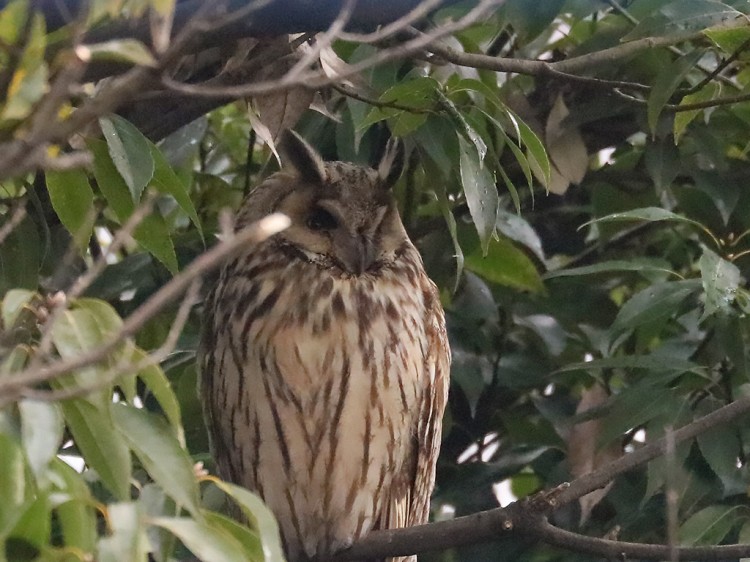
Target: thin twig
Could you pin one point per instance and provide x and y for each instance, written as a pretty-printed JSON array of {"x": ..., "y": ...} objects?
[
  {"x": 11, "y": 386},
  {"x": 16, "y": 217},
  {"x": 124, "y": 366}
]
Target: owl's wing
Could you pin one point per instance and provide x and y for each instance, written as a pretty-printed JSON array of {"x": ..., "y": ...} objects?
[{"x": 436, "y": 379}]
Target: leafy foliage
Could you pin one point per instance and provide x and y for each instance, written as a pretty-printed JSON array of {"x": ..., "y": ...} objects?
[{"x": 588, "y": 234}]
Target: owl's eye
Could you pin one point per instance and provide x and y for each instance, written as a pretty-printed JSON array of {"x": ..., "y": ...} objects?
[{"x": 320, "y": 219}]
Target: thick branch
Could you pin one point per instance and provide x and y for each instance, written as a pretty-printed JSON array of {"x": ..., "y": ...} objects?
[{"x": 529, "y": 517}]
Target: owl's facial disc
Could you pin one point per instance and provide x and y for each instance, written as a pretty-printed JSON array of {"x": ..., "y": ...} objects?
[{"x": 331, "y": 234}]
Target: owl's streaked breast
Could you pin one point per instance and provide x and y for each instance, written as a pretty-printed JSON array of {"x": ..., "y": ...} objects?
[{"x": 324, "y": 374}]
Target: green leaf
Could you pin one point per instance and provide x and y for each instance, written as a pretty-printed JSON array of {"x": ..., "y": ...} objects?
[
  {"x": 20, "y": 257},
  {"x": 152, "y": 233},
  {"x": 166, "y": 181},
  {"x": 14, "y": 302},
  {"x": 110, "y": 182},
  {"x": 76, "y": 513},
  {"x": 12, "y": 484},
  {"x": 651, "y": 214},
  {"x": 729, "y": 39},
  {"x": 481, "y": 193},
  {"x": 640, "y": 265},
  {"x": 73, "y": 200},
  {"x": 41, "y": 433},
  {"x": 710, "y": 525},
  {"x": 128, "y": 540},
  {"x": 683, "y": 17},
  {"x": 662, "y": 162},
  {"x": 652, "y": 362},
  {"x": 721, "y": 449},
  {"x": 159, "y": 386},
  {"x": 666, "y": 84},
  {"x": 535, "y": 151},
  {"x": 156, "y": 446},
  {"x": 418, "y": 94},
  {"x": 34, "y": 525},
  {"x": 505, "y": 264},
  {"x": 74, "y": 332},
  {"x": 464, "y": 129},
  {"x": 450, "y": 222},
  {"x": 130, "y": 153},
  {"x": 683, "y": 118},
  {"x": 29, "y": 81},
  {"x": 635, "y": 406},
  {"x": 721, "y": 280},
  {"x": 258, "y": 514},
  {"x": 207, "y": 542},
  {"x": 518, "y": 229},
  {"x": 658, "y": 301},
  {"x": 129, "y": 51},
  {"x": 100, "y": 444},
  {"x": 247, "y": 538}
]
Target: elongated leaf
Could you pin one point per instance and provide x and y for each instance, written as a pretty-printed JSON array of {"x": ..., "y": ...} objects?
[
  {"x": 29, "y": 80},
  {"x": 666, "y": 83},
  {"x": 101, "y": 446},
  {"x": 152, "y": 233},
  {"x": 76, "y": 513},
  {"x": 658, "y": 301},
  {"x": 166, "y": 181},
  {"x": 157, "y": 448},
  {"x": 129, "y": 51},
  {"x": 636, "y": 406},
  {"x": 450, "y": 222},
  {"x": 247, "y": 538},
  {"x": 42, "y": 432},
  {"x": 261, "y": 518},
  {"x": 76, "y": 331},
  {"x": 651, "y": 362},
  {"x": 643, "y": 265},
  {"x": 517, "y": 228},
  {"x": 12, "y": 484},
  {"x": 73, "y": 200},
  {"x": 207, "y": 542},
  {"x": 34, "y": 525},
  {"x": 110, "y": 182},
  {"x": 419, "y": 94},
  {"x": 683, "y": 118},
  {"x": 507, "y": 265},
  {"x": 481, "y": 193},
  {"x": 651, "y": 214},
  {"x": 464, "y": 129},
  {"x": 128, "y": 540},
  {"x": 158, "y": 385},
  {"x": 14, "y": 302},
  {"x": 711, "y": 524},
  {"x": 130, "y": 152},
  {"x": 683, "y": 17},
  {"x": 721, "y": 280}
]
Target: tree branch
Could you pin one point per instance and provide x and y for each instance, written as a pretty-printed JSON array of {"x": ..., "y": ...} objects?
[
  {"x": 528, "y": 517},
  {"x": 12, "y": 386}
]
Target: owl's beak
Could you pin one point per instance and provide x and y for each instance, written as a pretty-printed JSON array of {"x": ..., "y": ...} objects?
[{"x": 357, "y": 253}]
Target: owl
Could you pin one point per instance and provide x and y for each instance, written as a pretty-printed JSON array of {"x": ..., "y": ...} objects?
[{"x": 325, "y": 361}]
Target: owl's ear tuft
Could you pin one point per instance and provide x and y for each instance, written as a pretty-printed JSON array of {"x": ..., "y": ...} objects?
[
  {"x": 391, "y": 164},
  {"x": 298, "y": 155}
]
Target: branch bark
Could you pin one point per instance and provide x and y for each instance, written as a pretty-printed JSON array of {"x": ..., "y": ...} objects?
[{"x": 528, "y": 517}]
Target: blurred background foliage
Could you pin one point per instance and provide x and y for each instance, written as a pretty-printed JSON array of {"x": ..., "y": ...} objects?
[{"x": 589, "y": 239}]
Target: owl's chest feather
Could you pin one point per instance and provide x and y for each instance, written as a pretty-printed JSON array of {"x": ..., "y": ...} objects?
[{"x": 316, "y": 330}]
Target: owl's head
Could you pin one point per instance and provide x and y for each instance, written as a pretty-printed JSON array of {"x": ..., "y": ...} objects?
[{"x": 343, "y": 216}]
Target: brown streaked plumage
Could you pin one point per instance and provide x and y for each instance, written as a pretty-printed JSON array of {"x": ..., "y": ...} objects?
[{"x": 325, "y": 359}]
